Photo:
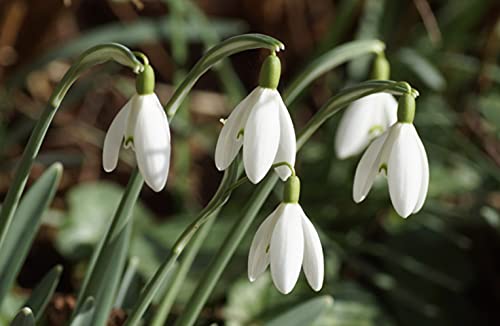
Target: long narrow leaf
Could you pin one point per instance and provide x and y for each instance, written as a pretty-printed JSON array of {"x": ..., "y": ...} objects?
[
  {"x": 43, "y": 292},
  {"x": 303, "y": 314},
  {"x": 107, "y": 271},
  {"x": 255, "y": 202},
  {"x": 327, "y": 62},
  {"x": 25, "y": 224},
  {"x": 86, "y": 313},
  {"x": 24, "y": 318}
]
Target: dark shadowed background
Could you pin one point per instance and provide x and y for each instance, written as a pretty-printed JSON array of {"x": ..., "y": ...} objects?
[{"x": 439, "y": 267}]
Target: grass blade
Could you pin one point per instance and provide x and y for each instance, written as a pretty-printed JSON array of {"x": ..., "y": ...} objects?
[
  {"x": 24, "y": 318},
  {"x": 303, "y": 314},
  {"x": 43, "y": 292},
  {"x": 25, "y": 224},
  {"x": 86, "y": 313}
]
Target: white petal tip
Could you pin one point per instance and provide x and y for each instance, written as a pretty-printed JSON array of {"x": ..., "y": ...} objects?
[
  {"x": 157, "y": 187},
  {"x": 284, "y": 291},
  {"x": 254, "y": 179},
  {"x": 403, "y": 213},
  {"x": 317, "y": 288},
  {"x": 358, "y": 199},
  {"x": 219, "y": 167},
  {"x": 157, "y": 184}
]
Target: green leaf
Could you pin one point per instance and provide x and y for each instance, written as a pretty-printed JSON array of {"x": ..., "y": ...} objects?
[
  {"x": 126, "y": 281},
  {"x": 107, "y": 275},
  {"x": 423, "y": 69},
  {"x": 85, "y": 314},
  {"x": 262, "y": 191},
  {"x": 11, "y": 304},
  {"x": 108, "y": 261},
  {"x": 25, "y": 225},
  {"x": 369, "y": 23},
  {"x": 327, "y": 62},
  {"x": 90, "y": 209},
  {"x": 304, "y": 314},
  {"x": 353, "y": 306},
  {"x": 93, "y": 56},
  {"x": 24, "y": 318},
  {"x": 43, "y": 292},
  {"x": 247, "y": 302}
]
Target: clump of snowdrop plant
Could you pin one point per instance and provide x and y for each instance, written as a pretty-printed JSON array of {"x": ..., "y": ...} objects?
[
  {"x": 400, "y": 154},
  {"x": 287, "y": 241},
  {"x": 261, "y": 125},
  {"x": 142, "y": 126},
  {"x": 366, "y": 118}
]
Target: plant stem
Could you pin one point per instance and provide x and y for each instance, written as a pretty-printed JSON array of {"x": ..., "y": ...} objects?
[
  {"x": 96, "y": 55},
  {"x": 225, "y": 253},
  {"x": 231, "y": 242},
  {"x": 177, "y": 280},
  {"x": 15, "y": 191},
  {"x": 209, "y": 212},
  {"x": 215, "y": 54}
]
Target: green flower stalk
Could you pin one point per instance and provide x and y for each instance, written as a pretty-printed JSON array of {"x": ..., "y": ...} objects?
[{"x": 96, "y": 55}]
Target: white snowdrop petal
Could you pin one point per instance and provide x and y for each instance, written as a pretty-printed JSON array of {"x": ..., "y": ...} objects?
[
  {"x": 231, "y": 136},
  {"x": 114, "y": 138},
  {"x": 287, "y": 249},
  {"x": 288, "y": 145},
  {"x": 313, "y": 264},
  {"x": 152, "y": 142},
  {"x": 404, "y": 171},
  {"x": 424, "y": 166},
  {"x": 367, "y": 169},
  {"x": 390, "y": 108},
  {"x": 258, "y": 257},
  {"x": 262, "y": 136},
  {"x": 352, "y": 134}
]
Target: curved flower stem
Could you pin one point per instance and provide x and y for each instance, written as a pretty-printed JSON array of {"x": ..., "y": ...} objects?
[
  {"x": 96, "y": 55},
  {"x": 288, "y": 165},
  {"x": 176, "y": 281},
  {"x": 222, "y": 50},
  {"x": 326, "y": 62},
  {"x": 231, "y": 242},
  {"x": 149, "y": 291}
]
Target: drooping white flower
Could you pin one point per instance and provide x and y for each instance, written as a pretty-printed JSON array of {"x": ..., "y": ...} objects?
[
  {"x": 262, "y": 125},
  {"x": 141, "y": 125},
  {"x": 399, "y": 153},
  {"x": 362, "y": 121},
  {"x": 287, "y": 241}
]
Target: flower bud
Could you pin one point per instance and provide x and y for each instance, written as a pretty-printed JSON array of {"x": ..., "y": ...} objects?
[
  {"x": 145, "y": 81},
  {"x": 291, "y": 192},
  {"x": 270, "y": 72}
]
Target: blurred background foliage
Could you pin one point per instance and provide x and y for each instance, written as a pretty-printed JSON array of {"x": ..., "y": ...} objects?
[{"x": 439, "y": 267}]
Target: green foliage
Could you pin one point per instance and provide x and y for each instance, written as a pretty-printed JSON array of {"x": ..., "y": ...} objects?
[
  {"x": 24, "y": 318},
  {"x": 25, "y": 225},
  {"x": 380, "y": 269},
  {"x": 43, "y": 292}
]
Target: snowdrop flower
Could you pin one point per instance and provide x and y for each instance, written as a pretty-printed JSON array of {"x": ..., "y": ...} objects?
[
  {"x": 261, "y": 125},
  {"x": 141, "y": 125},
  {"x": 364, "y": 120},
  {"x": 398, "y": 152},
  {"x": 287, "y": 241},
  {"x": 368, "y": 117}
]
